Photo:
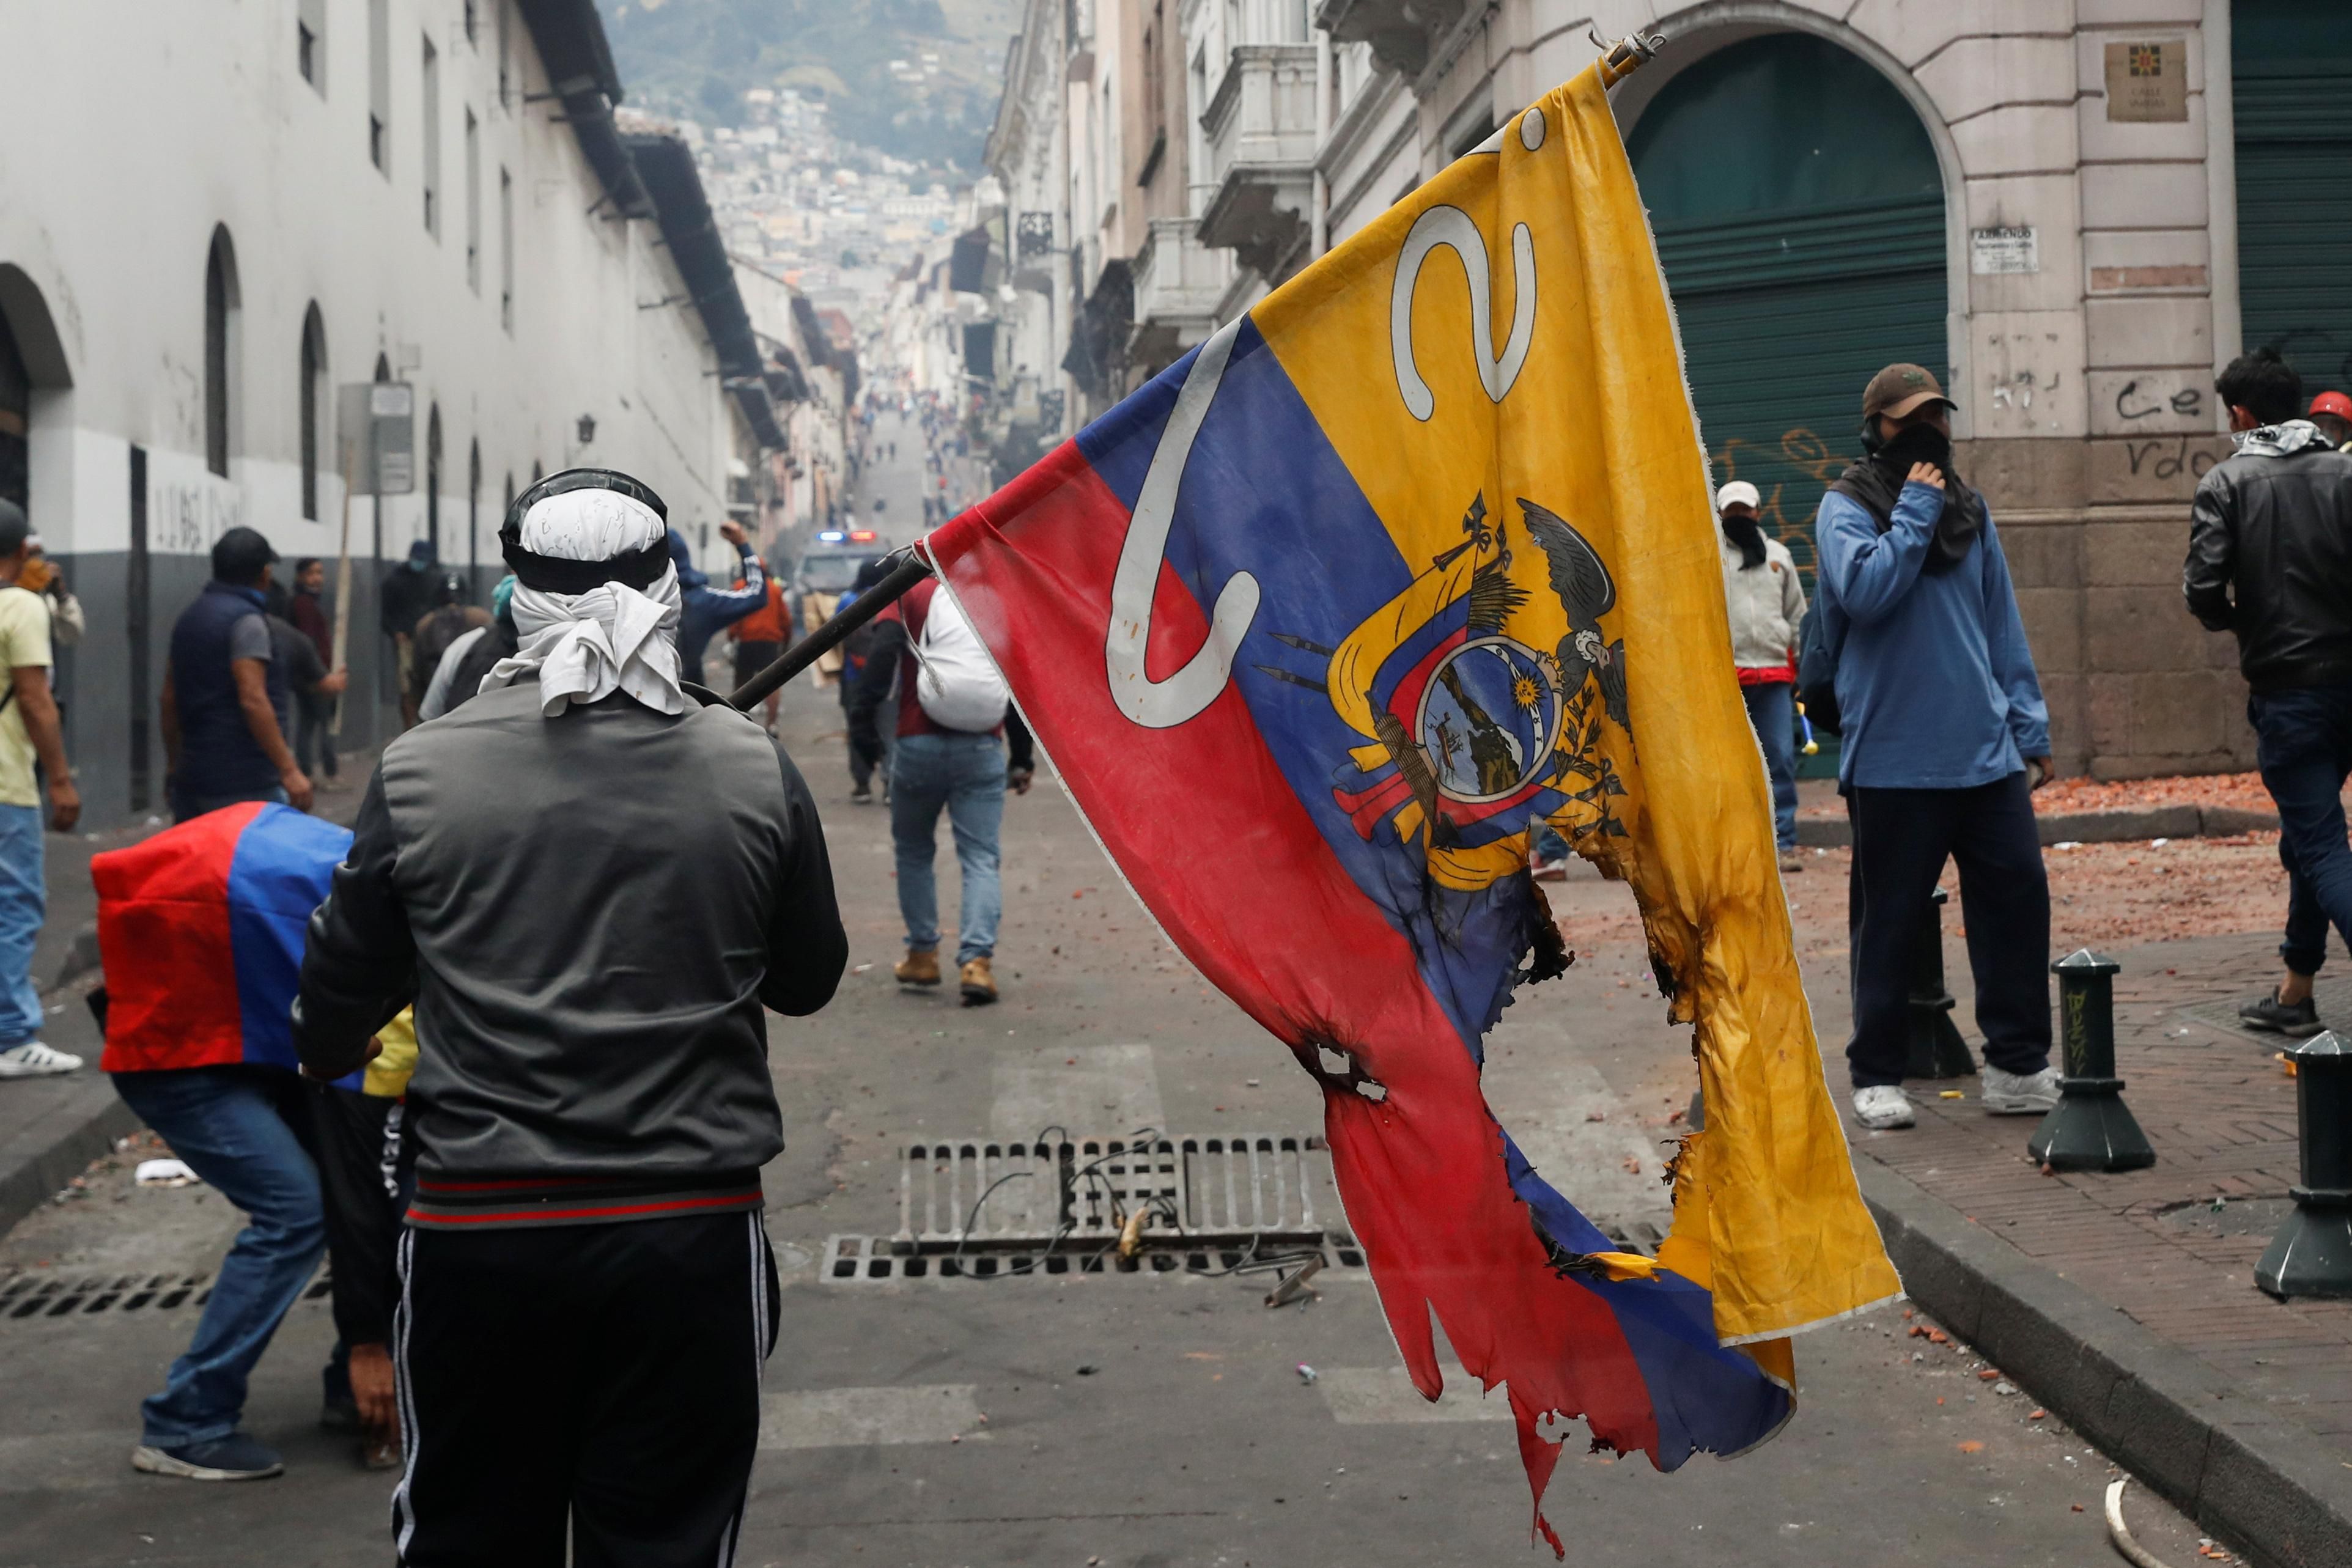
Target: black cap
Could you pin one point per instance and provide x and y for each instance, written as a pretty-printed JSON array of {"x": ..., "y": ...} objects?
[{"x": 239, "y": 555}]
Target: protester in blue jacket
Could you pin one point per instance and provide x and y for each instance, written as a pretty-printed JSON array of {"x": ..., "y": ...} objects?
[
  {"x": 1946, "y": 736},
  {"x": 706, "y": 610}
]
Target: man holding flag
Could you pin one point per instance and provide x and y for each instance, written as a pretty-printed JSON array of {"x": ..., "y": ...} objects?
[{"x": 592, "y": 885}]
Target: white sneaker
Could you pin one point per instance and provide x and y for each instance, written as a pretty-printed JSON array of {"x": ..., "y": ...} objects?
[
  {"x": 2017, "y": 1094},
  {"x": 1882, "y": 1107},
  {"x": 34, "y": 1060}
]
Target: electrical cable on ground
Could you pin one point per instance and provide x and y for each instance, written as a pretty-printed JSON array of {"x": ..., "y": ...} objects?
[{"x": 2120, "y": 1534}]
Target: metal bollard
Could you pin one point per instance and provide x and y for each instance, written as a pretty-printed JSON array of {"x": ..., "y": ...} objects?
[
  {"x": 2311, "y": 1254},
  {"x": 1937, "y": 1049},
  {"x": 2090, "y": 1128}
]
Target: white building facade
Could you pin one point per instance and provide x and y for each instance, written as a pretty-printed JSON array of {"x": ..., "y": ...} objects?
[{"x": 276, "y": 198}]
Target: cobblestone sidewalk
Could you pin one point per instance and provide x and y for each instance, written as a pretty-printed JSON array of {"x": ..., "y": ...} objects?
[{"x": 2173, "y": 1246}]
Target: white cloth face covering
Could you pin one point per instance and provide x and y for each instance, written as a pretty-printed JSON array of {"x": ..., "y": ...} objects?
[{"x": 584, "y": 647}]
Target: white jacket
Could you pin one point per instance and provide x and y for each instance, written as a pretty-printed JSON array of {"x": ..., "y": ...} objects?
[{"x": 1766, "y": 605}]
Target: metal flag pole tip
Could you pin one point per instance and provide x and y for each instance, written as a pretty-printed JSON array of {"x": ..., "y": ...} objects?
[{"x": 1628, "y": 55}]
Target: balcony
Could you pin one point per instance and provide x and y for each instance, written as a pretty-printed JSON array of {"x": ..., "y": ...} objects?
[
  {"x": 1401, "y": 32},
  {"x": 1260, "y": 155},
  {"x": 1177, "y": 281}
]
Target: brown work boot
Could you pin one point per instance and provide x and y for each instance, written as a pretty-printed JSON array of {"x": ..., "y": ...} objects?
[
  {"x": 979, "y": 985},
  {"x": 920, "y": 967}
]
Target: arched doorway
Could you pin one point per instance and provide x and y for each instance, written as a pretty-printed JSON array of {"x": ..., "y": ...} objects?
[
  {"x": 1799, "y": 216},
  {"x": 32, "y": 363},
  {"x": 16, "y": 420},
  {"x": 433, "y": 480},
  {"x": 2291, "y": 67},
  {"x": 312, "y": 393},
  {"x": 222, "y": 309},
  {"x": 474, "y": 519}
]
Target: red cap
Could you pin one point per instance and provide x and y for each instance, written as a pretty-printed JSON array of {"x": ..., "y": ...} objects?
[{"x": 2333, "y": 402}]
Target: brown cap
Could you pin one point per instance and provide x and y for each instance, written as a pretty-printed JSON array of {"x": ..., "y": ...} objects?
[{"x": 1895, "y": 391}]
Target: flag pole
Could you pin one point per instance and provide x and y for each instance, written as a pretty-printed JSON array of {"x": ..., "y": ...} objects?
[{"x": 911, "y": 570}]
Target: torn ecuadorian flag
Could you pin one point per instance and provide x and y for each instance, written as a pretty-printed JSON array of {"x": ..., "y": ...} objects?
[{"x": 1316, "y": 625}]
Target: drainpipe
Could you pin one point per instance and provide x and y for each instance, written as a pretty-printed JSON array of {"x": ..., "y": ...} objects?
[{"x": 1319, "y": 206}]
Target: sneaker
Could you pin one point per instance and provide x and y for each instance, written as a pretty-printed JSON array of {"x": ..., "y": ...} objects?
[
  {"x": 979, "y": 985},
  {"x": 1882, "y": 1107},
  {"x": 34, "y": 1060},
  {"x": 2267, "y": 1012},
  {"x": 862, "y": 795},
  {"x": 235, "y": 1458},
  {"x": 339, "y": 1413},
  {"x": 1791, "y": 862},
  {"x": 2017, "y": 1094},
  {"x": 920, "y": 967},
  {"x": 1542, "y": 870}
]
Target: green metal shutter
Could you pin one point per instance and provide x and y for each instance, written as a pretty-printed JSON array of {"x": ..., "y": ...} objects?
[
  {"x": 1799, "y": 216},
  {"x": 1783, "y": 321},
  {"x": 2293, "y": 92}
]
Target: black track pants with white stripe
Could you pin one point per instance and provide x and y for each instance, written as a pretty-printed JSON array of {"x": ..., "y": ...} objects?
[{"x": 600, "y": 1377}]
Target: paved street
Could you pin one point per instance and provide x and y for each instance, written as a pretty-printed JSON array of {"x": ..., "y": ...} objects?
[{"x": 941, "y": 1422}]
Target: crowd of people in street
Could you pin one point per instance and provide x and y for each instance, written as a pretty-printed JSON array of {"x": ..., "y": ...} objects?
[
  {"x": 572, "y": 697},
  {"x": 561, "y": 741}
]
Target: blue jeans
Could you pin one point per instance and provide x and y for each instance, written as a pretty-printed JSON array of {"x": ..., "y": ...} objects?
[
  {"x": 24, "y": 900},
  {"x": 246, "y": 1131},
  {"x": 2302, "y": 739},
  {"x": 965, "y": 774},
  {"x": 1772, "y": 708}
]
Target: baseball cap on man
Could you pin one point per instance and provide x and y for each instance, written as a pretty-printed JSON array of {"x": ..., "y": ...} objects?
[
  {"x": 1739, "y": 493},
  {"x": 2334, "y": 402},
  {"x": 1898, "y": 390}
]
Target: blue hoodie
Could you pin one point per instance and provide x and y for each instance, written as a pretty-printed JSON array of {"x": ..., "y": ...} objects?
[
  {"x": 706, "y": 610},
  {"x": 1935, "y": 686}
]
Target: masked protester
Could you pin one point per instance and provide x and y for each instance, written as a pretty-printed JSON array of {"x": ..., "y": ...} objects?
[
  {"x": 1767, "y": 604},
  {"x": 590, "y": 885},
  {"x": 1946, "y": 736}
]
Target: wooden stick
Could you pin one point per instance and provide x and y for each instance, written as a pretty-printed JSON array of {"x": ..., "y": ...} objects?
[
  {"x": 817, "y": 643},
  {"x": 344, "y": 601}
]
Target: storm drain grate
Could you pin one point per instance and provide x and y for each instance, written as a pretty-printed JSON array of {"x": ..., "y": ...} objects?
[
  {"x": 979, "y": 1207},
  {"x": 850, "y": 1259},
  {"x": 30, "y": 1296}
]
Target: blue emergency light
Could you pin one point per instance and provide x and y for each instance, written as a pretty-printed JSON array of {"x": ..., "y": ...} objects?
[{"x": 832, "y": 536}]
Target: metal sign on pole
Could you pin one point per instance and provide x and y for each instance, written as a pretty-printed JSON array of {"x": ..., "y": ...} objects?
[{"x": 375, "y": 440}]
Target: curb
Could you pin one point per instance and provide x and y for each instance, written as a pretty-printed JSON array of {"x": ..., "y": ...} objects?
[
  {"x": 2091, "y": 827},
  {"x": 2256, "y": 1480},
  {"x": 82, "y": 1127}
]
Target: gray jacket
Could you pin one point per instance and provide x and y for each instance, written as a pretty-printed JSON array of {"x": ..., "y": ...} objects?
[{"x": 590, "y": 912}]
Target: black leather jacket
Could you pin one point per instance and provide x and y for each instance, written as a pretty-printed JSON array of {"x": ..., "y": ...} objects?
[{"x": 2270, "y": 558}]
